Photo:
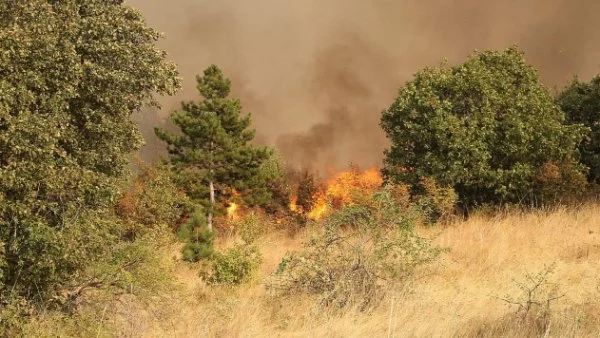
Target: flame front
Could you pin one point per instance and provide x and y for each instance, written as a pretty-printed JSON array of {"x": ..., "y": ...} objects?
[
  {"x": 345, "y": 188},
  {"x": 320, "y": 206}
]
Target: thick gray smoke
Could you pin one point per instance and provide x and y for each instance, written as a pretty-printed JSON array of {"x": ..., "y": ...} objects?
[{"x": 317, "y": 73}]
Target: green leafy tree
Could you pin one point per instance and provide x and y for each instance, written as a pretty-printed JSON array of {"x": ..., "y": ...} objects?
[
  {"x": 72, "y": 73},
  {"x": 212, "y": 154},
  {"x": 485, "y": 127},
  {"x": 581, "y": 102}
]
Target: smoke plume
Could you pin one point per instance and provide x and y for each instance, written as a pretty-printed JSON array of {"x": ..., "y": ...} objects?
[{"x": 316, "y": 74}]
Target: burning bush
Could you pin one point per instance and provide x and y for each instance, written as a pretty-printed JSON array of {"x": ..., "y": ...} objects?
[
  {"x": 345, "y": 188},
  {"x": 350, "y": 266}
]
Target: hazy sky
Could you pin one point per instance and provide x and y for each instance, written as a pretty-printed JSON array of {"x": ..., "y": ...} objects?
[{"x": 316, "y": 74}]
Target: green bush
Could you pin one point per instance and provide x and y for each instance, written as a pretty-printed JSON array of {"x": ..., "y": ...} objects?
[
  {"x": 484, "y": 128},
  {"x": 273, "y": 171},
  {"x": 235, "y": 266},
  {"x": 14, "y": 314},
  {"x": 152, "y": 201},
  {"x": 581, "y": 103},
  {"x": 378, "y": 247},
  {"x": 250, "y": 227},
  {"x": 136, "y": 268}
]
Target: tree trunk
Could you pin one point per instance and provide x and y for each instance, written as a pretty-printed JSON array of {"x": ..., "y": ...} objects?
[
  {"x": 211, "y": 188},
  {"x": 212, "y": 205}
]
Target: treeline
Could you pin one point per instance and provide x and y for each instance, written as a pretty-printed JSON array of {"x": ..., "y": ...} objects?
[{"x": 74, "y": 218}]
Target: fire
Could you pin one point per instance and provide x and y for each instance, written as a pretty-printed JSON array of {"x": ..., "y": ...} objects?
[
  {"x": 293, "y": 203},
  {"x": 231, "y": 211},
  {"x": 233, "y": 207},
  {"x": 320, "y": 206},
  {"x": 349, "y": 185},
  {"x": 345, "y": 188}
]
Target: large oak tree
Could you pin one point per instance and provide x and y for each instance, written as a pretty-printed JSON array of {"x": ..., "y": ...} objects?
[
  {"x": 72, "y": 72},
  {"x": 486, "y": 127}
]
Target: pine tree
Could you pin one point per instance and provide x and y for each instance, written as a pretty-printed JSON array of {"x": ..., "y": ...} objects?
[{"x": 212, "y": 155}]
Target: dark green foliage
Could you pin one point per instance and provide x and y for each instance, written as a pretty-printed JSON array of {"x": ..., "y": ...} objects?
[
  {"x": 73, "y": 72},
  {"x": 581, "y": 103},
  {"x": 485, "y": 127},
  {"x": 235, "y": 266},
  {"x": 307, "y": 188},
  {"x": 213, "y": 146},
  {"x": 198, "y": 239},
  {"x": 274, "y": 173}
]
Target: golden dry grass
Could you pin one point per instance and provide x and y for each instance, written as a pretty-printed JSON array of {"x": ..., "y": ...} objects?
[{"x": 459, "y": 296}]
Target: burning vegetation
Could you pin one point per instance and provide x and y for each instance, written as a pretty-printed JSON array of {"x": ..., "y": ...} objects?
[
  {"x": 344, "y": 188},
  {"x": 232, "y": 209}
]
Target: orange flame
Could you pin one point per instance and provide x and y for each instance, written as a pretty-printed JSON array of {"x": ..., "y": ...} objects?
[
  {"x": 233, "y": 207},
  {"x": 320, "y": 206},
  {"x": 231, "y": 211},
  {"x": 294, "y": 203},
  {"x": 345, "y": 188}
]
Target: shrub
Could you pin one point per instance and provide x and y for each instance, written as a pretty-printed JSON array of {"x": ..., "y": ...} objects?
[
  {"x": 436, "y": 202},
  {"x": 533, "y": 304},
  {"x": 378, "y": 247},
  {"x": 136, "y": 268},
  {"x": 273, "y": 172},
  {"x": 236, "y": 266},
  {"x": 14, "y": 313},
  {"x": 152, "y": 201},
  {"x": 484, "y": 128},
  {"x": 560, "y": 182},
  {"x": 250, "y": 227}
]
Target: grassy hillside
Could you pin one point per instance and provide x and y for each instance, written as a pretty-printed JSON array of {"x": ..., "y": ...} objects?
[{"x": 466, "y": 293}]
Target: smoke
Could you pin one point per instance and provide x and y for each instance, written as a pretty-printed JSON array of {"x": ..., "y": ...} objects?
[{"x": 316, "y": 74}]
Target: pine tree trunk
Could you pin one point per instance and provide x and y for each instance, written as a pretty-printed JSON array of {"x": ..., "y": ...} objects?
[
  {"x": 211, "y": 188},
  {"x": 212, "y": 204}
]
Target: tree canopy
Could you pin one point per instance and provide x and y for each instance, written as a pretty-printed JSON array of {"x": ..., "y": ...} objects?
[
  {"x": 72, "y": 73},
  {"x": 213, "y": 150},
  {"x": 487, "y": 127},
  {"x": 581, "y": 102}
]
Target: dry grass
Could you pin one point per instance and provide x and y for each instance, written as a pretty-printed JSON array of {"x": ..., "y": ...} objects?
[{"x": 459, "y": 296}]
